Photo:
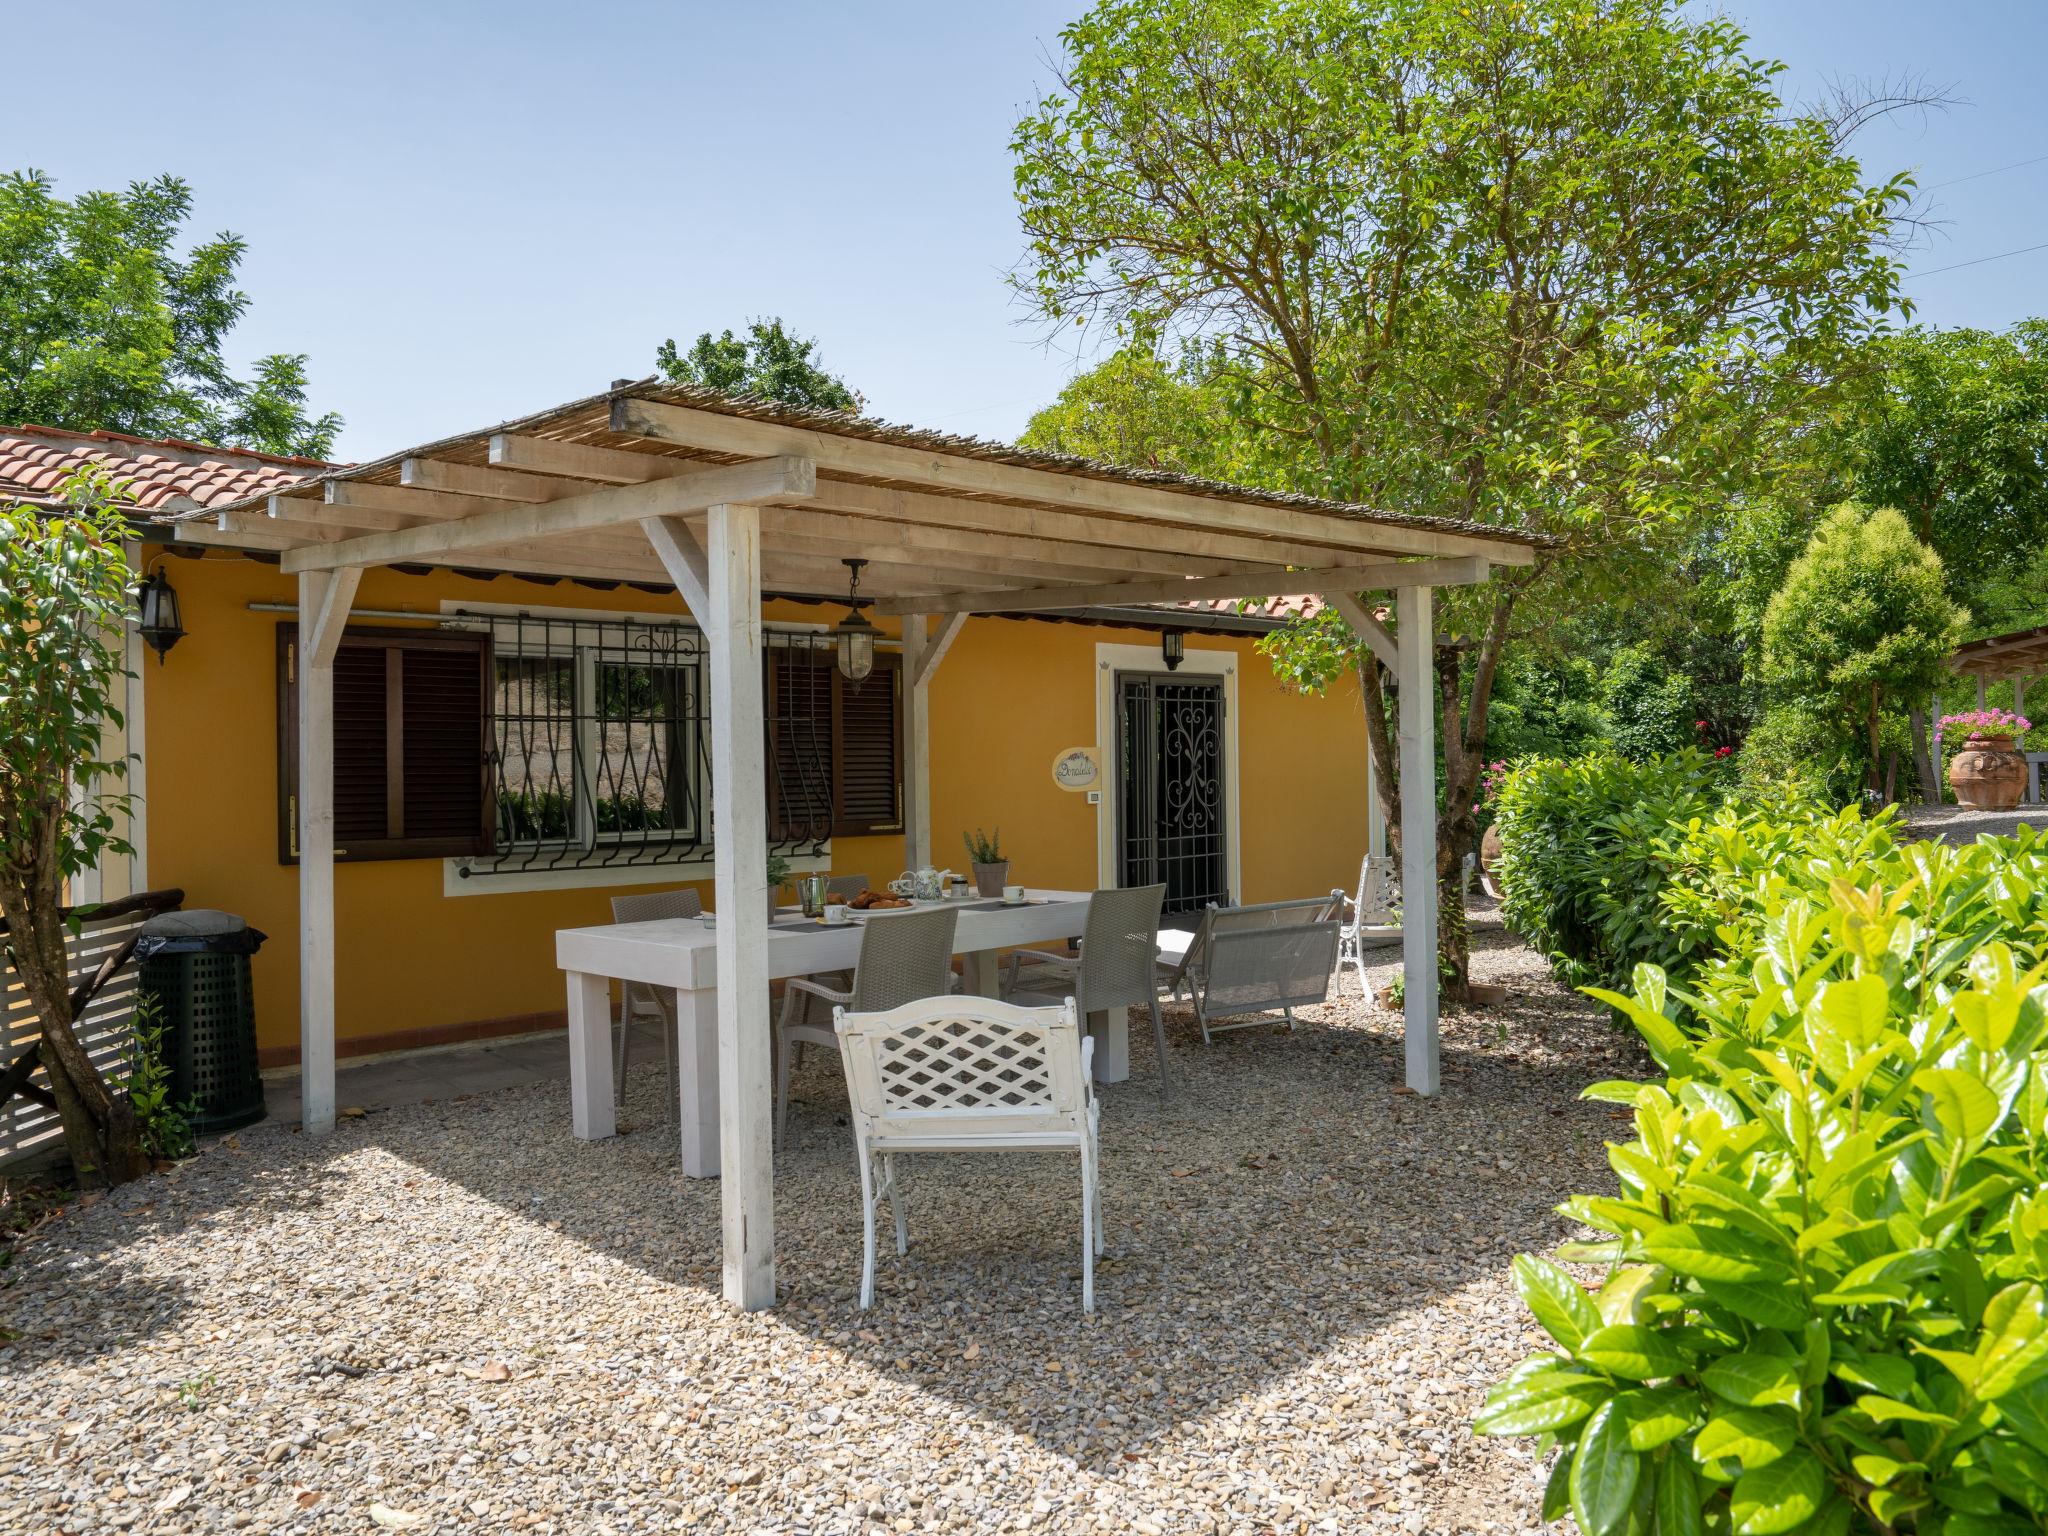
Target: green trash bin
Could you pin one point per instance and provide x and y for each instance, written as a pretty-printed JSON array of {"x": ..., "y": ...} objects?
[{"x": 197, "y": 965}]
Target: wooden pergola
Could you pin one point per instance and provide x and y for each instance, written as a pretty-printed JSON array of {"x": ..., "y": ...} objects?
[{"x": 729, "y": 499}]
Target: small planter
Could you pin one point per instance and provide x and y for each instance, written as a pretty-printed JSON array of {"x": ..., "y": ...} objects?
[
  {"x": 989, "y": 879},
  {"x": 1989, "y": 774}
]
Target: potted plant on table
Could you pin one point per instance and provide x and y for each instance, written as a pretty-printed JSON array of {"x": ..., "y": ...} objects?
[
  {"x": 991, "y": 869},
  {"x": 1990, "y": 772},
  {"x": 778, "y": 877}
]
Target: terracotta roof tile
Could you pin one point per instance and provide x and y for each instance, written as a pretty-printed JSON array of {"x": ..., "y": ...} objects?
[{"x": 164, "y": 475}]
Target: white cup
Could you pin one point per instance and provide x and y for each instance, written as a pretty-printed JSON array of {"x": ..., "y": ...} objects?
[
  {"x": 1013, "y": 894},
  {"x": 835, "y": 914}
]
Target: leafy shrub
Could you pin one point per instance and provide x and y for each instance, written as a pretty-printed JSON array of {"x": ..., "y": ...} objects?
[
  {"x": 1582, "y": 862},
  {"x": 165, "y": 1127},
  {"x": 1823, "y": 1306}
]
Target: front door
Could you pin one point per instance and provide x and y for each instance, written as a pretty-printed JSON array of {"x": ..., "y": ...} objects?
[{"x": 1170, "y": 806}]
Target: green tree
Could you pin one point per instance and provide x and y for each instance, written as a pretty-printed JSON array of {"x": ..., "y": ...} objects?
[
  {"x": 767, "y": 362},
  {"x": 1864, "y": 618},
  {"x": 65, "y": 596},
  {"x": 1570, "y": 266},
  {"x": 105, "y": 326}
]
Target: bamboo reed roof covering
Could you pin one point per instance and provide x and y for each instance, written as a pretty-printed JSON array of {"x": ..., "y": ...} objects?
[{"x": 935, "y": 513}]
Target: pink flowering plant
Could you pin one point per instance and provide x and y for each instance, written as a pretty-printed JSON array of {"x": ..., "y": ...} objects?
[{"x": 1981, "y": 722}]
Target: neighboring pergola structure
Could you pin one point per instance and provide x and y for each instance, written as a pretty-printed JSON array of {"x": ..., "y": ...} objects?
[
  {"x": 2018, "y": 657},
  {"x": 729, "y": 499}
]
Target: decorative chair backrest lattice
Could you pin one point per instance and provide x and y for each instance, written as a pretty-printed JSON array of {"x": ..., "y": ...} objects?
[
  {"x": 652, "y": 906},
  {"x": 848, "y": 886},
  {"x": 905, "y": 957},
  {"x": 1379, "y": 896},
  {"x": 1120, "y": 949},
  {"x": 966, "y": 1071}
]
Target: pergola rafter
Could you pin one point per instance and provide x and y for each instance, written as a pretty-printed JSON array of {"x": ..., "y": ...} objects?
[{"x": 725, "y": 500}]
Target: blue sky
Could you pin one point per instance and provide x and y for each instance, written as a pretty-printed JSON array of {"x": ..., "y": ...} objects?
[{"x": 465, "y": 211}]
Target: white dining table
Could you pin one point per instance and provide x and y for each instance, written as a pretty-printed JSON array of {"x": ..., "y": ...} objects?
[{"x": 681, "y": 954}]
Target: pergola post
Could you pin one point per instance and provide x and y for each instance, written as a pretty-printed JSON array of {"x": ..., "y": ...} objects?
[
  {"x": 1415, "y": 679},
  {"x": 923, "y": 650},
  {"x": 739, "y": 859},
  {"x": 324, "y": 599},
  {"x": 917, "y": 743}
]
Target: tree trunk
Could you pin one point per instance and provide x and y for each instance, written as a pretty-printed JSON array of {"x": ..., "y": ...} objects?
[
  {"x": 1923, "y": 758},
  {"x": 1874, "y": 723},
  {"x": 99, "y": 1124},
  {"x": 1461, "y": 739}
]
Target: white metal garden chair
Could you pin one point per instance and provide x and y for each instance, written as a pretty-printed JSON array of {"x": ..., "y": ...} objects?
[
  {"x": 904, "y": 956},
  {"x": 968, "y": 1074},
  {"x": 1373, "y": 917},
  {"x": 640, "y": 1001}
]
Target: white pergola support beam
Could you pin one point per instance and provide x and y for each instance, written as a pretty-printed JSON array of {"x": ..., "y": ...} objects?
[
  {"x": 1458, "y": 571},
  {"x": 732, "y": 626},
  {"x": 1415, "y": 677},
  {"x": 583, "y": 461},
  {"x": 482, "y": 480},
  {"x": 935, "y": 651},
  {"x": 324, "y": 600},
  {"x": 716, "y": 432},
  {"x": 683, "y": 560},
  {"x": 758, "y": 480},
  {"x": 1366, "y": 625}
]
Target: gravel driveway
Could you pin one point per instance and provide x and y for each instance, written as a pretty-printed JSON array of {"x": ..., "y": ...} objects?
[{"x": 454, "y": 1316}]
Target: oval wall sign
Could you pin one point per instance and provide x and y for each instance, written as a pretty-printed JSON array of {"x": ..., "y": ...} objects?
[{"x": 1075, "y": 768}]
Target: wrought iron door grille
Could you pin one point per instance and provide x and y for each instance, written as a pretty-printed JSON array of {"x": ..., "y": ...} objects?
[
  {"x": 600, "y": 745},
  {"x": 1170, "y": 788}
]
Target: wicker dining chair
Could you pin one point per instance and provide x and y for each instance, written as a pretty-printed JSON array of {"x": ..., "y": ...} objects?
[
  {"x": 848, "y": 886},
  {"x": 1117, "y": 968},
  {"x": 639, "y": 1000},
  {"x": 905, "y": 957}
]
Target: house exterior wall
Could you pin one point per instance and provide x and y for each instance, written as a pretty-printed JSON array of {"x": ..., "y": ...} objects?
[{"x": 419, "y": 967}]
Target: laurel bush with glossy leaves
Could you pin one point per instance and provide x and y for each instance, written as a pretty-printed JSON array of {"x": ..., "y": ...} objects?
[{"x": 1820, "y": 1304}]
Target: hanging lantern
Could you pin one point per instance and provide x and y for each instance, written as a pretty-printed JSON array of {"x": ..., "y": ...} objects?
[
  {"x": 1173, "y": 649},
  {"x": 159, "y": 623},
  {"x": 856, "y": 636}
]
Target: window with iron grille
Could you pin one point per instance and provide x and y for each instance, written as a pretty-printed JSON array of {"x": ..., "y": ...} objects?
[
  {"x": 588, "y": 744},
  {"x": 602, "y": 744}
]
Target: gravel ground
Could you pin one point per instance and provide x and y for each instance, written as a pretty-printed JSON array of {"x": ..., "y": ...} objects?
[
  {"x": 1960, "y": 824},
  {"x": 453, "y": 1315}
]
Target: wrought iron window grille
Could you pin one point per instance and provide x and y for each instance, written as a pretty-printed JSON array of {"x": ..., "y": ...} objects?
[{"x": 599, "y": 745}]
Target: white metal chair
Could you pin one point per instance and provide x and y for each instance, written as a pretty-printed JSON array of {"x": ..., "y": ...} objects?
[
  {"x": 639, "y": 1001},
  {"x": 904, "y": 957},
  {"x": 1116, "y": 967},
  {"x": 1266, "y": 957},
  {"x": 968, "y": 1074},
  {"x": 1373, "y": 918}
]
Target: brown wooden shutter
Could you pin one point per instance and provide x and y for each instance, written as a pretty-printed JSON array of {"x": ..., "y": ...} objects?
[
  {"x": 411, "y": 771},
  {"x": 800, "y": 745},
  {"x": 868, "y": 729}
]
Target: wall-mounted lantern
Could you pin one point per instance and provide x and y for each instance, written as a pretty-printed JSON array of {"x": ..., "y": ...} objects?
[
  {"x": 1173, "y": 649},
  {"x": 159, "y": 624}
]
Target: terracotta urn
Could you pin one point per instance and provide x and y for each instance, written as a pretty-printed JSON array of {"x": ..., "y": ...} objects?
[
  {"x": 1989, "y": 774},
  {"x": 1489, "y": 861}
]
